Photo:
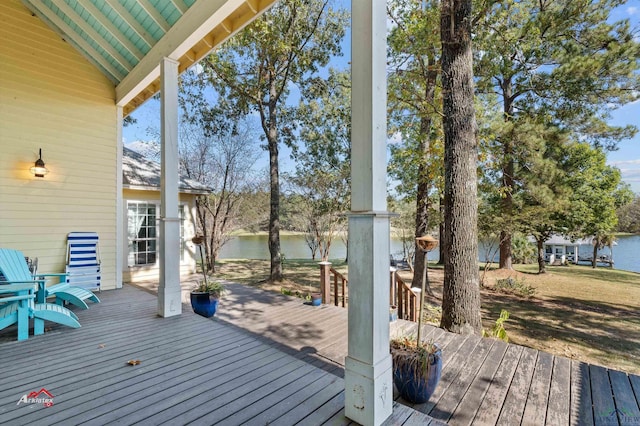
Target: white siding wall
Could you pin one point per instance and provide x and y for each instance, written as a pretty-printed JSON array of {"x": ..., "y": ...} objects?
[{"x": 54, "y": 99}]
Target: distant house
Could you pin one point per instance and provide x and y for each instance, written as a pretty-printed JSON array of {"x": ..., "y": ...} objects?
[
  {"x": 560, "y": 250},
  {"x": 141, "y": 203}
]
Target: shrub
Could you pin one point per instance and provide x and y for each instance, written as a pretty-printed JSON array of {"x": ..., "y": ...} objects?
[
  {"x": 515, "y": 286},
  {"x": 432, "y": 313}
]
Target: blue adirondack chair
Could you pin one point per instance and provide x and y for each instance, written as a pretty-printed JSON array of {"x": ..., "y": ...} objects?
[
  {"x": 17, "y": 301},
  {"x": 14, "y": 267},
  {"x": 14, "y": 308}
]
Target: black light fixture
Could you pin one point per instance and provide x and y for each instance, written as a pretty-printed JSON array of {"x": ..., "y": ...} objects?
[{"x": 39, "y": 170}]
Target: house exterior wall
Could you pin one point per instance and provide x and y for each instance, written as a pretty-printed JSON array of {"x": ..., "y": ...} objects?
[
  {"x": 133, "y": 274},
  {"x": 52, "y": 98}
]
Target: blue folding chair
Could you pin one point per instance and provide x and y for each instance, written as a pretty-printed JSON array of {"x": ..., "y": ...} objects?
[{"x": 83, "y": 260}]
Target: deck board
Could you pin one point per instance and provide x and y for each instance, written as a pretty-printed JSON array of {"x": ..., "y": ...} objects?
[
  {"x": 535, "y": 410},
  {"x": 558, "y": 409},
  {"x": 496, "y": 394},
  {"x": 604, "y": 408},
  {"x": 626, "y": 403},
  {"x": 635, "y": 384},
  {"x": 581, "y": 401},
  {"x": 470, "y": 402},
  {"x": 461, "y": 383},
  {"x": 514, "y": 405},
  {"x": 459, "y": 356},
  {"x": 310, "y": 388}
]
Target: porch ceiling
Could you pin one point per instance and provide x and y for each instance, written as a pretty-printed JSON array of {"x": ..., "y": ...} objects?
[{"x": 125, "y": 39}]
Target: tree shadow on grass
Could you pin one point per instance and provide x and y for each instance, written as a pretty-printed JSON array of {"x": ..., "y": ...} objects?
[{"x": 608, "y": 332}]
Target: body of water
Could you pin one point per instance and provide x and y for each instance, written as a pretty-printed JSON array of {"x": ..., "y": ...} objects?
[{"x": 626, "y": 254}]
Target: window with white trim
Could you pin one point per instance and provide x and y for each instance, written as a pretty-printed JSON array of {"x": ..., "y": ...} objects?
[{"x": 142, "y": 232}]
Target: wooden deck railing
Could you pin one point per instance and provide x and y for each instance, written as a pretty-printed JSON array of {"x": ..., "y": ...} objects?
[
  {"x": 339, "y": 283},
  {"x": 401, "y": 294},
  {"x": 407, "y": 300}
]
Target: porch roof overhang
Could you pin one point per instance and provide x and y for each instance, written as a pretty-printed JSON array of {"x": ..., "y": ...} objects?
[{"x": 126, "y": 39}]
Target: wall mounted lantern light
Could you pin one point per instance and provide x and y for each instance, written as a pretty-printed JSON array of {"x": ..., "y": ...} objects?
[{"x": 39, "y": 170}]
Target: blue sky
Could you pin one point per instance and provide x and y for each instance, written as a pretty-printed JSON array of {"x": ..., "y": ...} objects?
[{"x": 626, "y": 158}]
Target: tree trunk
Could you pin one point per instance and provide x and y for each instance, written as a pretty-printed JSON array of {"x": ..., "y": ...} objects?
[
  {"x": 441, "y": 232},
  {"x": 505, "y": 250},
  {"x": 594, "y": 262},
  {"x": 461, "y": 293},
  {"x": 274, "y": 176},
  {"x": 507, "y": 182},
  {"x": 424, "y": 183},
  {"x": 201, "y": 213},
  {"x": 542, "y": 266}
]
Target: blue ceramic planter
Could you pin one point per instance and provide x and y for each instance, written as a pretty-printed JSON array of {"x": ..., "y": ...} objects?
[
  {"x": 418, "y": 390},
  {"x": 204, "y": 304},
  {"x": 316, "y": 299}
]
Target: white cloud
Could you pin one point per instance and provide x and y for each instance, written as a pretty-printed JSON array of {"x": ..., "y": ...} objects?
[
  {"x": 632, "y": 10},
  {"x": 630, "y": 173},
  {"x": 625, "y": 162}
]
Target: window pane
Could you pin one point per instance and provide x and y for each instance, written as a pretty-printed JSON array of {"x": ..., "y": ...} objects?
[{"x": 141, "y": 229}]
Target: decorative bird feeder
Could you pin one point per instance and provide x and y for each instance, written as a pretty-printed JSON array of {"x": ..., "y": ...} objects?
[{"x": 427, "y": 243}]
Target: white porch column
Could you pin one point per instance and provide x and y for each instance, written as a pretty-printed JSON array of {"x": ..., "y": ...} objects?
[
  {"x": 120, "y": 247},
  {"x": 169, "y": 295},
  {"x": 368, "y": 384}
]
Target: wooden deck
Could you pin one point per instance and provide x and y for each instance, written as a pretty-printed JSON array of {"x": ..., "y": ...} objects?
[
  {"x": 484, "y": 381},
  {"x": 268, "y": 358},
  {"x": 191, "y": 370}
]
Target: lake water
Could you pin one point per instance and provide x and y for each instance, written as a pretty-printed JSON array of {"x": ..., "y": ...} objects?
[{"x": 626, "y": 254}]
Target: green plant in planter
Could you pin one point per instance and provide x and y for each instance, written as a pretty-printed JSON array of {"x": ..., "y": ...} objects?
[
  {"x": 214, "y": 288},
  {"x": 416, "y": 368},
  {"x": 204, "y": 297}
]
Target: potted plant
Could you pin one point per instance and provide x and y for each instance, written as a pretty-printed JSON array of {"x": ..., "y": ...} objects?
[
  {"x": 416, "y": 369},
  {"x": 393, "y": 313},
  {"x": 316, "y": 299},
  {"x": 417, "y": 366},
  {"x": 205, "y": 296}
]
